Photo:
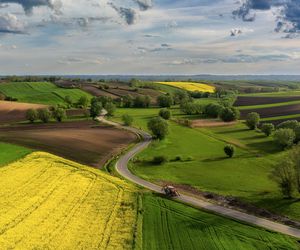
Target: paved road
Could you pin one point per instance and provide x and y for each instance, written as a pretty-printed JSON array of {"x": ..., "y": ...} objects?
[{"x": 121, "y": 167}]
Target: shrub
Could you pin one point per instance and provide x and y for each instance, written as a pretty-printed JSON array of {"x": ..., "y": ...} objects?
[
  {"x": 83, "y": 102},
  {"x": 191, "y": 108},
  {"x": 31, "y": 115},
  {"x": 229, "y": 114},
  {"x": 267, "y": 128},
  {"x": 285, "y": 137},
  {"x": 44, "y": 115},
  {"x": 252, "y": 120},
  {"x": 68, "y": 100},
  {"x": 59, "y": 114},
  {"x": 165, "y": 101},
  {"x": 159, "y": 160},
  {"x": 159, "y": 127},
  {"x": 127, "y": 120},
  {"x": 229, "y": 150},
  {"x": 165, "y": 114}
]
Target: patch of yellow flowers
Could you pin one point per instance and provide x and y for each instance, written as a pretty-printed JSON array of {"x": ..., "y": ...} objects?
[
  {"x": 191, "y": 86},
  {"x": 48, "y": 202}
]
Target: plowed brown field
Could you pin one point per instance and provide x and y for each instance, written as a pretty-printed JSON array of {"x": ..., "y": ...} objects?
[{"x": 259, "y": 100}]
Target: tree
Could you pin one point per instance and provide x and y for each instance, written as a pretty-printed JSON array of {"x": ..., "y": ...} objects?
[
  {"x": 44, "y": 115},
  {"x": 267, "y": 128},
  {"x": 59, "y": 114},
  {"x": 159, "y": 127},
  {"x": 96, "y": 108},
  {"x": 68, "y": 100},
  {"x": 142, "y": 101},
  {"x": 283, "y": 174},
  {"x": 212, "y": 110},
  {"x": 292, "y": 124},
  {"x": 110, "y": 108},
  {"x": 252, "y": 120},
  {"x": 83, "y": 102},
  {"x": 285, "y": 137},
  {"x": 165, "y": 101},
  {"x": 127, "y": 120},
  {"x": 165, "y": 114},
  {"x": 191, "y": 108},
  {"x": 31, "y": 115},
  {"x": 294, "y": 156},
  {"x": 229, "y": 114},
  {"x": 229, "y": 150},
  {"x": 127, "y": 101}
]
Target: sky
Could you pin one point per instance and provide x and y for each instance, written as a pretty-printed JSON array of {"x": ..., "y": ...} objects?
[{"x": 149, "y": 37}]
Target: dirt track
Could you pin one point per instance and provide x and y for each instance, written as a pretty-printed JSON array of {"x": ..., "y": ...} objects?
[
  {"x": 260, "y": 100},
  {"x": 205, "y": 123},
  {"x": 274, "y": 111},
  {"x": 79, "y": 141}
]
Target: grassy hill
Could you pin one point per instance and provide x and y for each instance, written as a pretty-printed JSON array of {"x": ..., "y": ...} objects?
[{"x": 40, "y": 92}]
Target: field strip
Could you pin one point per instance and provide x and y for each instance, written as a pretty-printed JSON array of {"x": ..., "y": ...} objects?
[
  {"x": 279, "y": 104},
  {"x": 122, "y": 168}
]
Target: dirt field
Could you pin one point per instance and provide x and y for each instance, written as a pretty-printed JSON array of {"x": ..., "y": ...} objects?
[
  {"x": 274, "y": 111},
  {"x": 14, "y": 111},
  {"x": 97, "y": 92},
  {"x": 259, "y": 100},
  {"x": 79, "y": 141},
  {"x": 204, "y": 123}
]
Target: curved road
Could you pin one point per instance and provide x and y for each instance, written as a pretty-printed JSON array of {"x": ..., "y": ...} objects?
[{"x": 121, "y": 167}]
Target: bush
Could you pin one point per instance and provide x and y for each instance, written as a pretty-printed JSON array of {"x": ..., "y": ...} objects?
[
  {"x": 44, "y": 115},
  {"x": 229, "y": 150},
  {"x": 252, "y": 120},
  {"x": 159, "y": 160},
  {"x": 267, "y": 128},
  {"x": 212, "y": 110},
  {"x": 165, "y": 101},
  {"x": 59, "y": 114},
  {"x": 285, "y": 137},
  {"x": 191, "y": 108},
  {"x": 127, "y": 120},
  {"x": 229, "y": 114},
  {"x": 83, "y": 102},
  {"x": 31, "y": 115},
  {"x": 165, "y": 114},
  {"x": 159, "y": 127}
]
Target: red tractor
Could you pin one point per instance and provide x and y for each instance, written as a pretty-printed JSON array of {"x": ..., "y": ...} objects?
[{"x": 170, "y": 191}]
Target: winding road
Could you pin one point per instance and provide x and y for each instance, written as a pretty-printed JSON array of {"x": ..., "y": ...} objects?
[{"x": 122, "y": 169}]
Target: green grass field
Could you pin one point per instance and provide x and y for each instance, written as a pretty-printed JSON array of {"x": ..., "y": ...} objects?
[
  {"x": 40, "y": 92},
  {"x": 10, "y": 153},
  {"x": 171, "y": 225},
  {"x": 268, "y": 105},
  {"x": 205, "y": 167},
  {"x": 275, "y": 94}
]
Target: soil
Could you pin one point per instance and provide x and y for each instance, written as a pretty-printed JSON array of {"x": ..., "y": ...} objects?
[
  {"x": 84, "y": 141},
  {"x": 260, "y": 100}
]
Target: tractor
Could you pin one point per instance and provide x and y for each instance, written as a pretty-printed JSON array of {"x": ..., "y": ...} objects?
[{"x": 170, "y": 191}]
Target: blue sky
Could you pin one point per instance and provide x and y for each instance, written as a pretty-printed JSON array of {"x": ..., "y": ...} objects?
[{"x": 149, "y": 36}]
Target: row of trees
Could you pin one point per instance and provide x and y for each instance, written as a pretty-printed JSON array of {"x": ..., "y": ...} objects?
[
  {"x": 98, "y": 103},
  {"x": 46, "y": 114}
]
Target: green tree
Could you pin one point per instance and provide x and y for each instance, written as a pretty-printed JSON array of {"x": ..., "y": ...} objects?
[
  {"x": 68, "y": 100},
  {"x": 31, "y": 115},
  {"x": 165, "y": 101},
  {"x": 212, "y": 110},
  {"x": 165, "y": 114},
  {"x": 83, "y": 102},
  {"x": 159, "y": 127},
  {"x": 142, "y": 101},
  {"x": 285, "y": 137},
  {"x": 127, "y": 120},
  {"x": 229, "y": 150},
  {"x": 267, "y": 128},
  {"x": 127, "y": 101},
  {"x": 44, "y": 115},
  {"x": 283, "y": 174},
  {"x": 59, "y": 114},
  {"x": 96, "y": 108},
  {"x": 252, "y": 120},
  {"x": 292, "y": 124},
  {"x": 110, "y": 108},
  {"x": 229, "y": 114}
]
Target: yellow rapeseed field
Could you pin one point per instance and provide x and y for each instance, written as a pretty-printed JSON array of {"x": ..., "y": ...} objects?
[
  {"x": 48, "y": 202},
  {"x": 191, "y": 86}
]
